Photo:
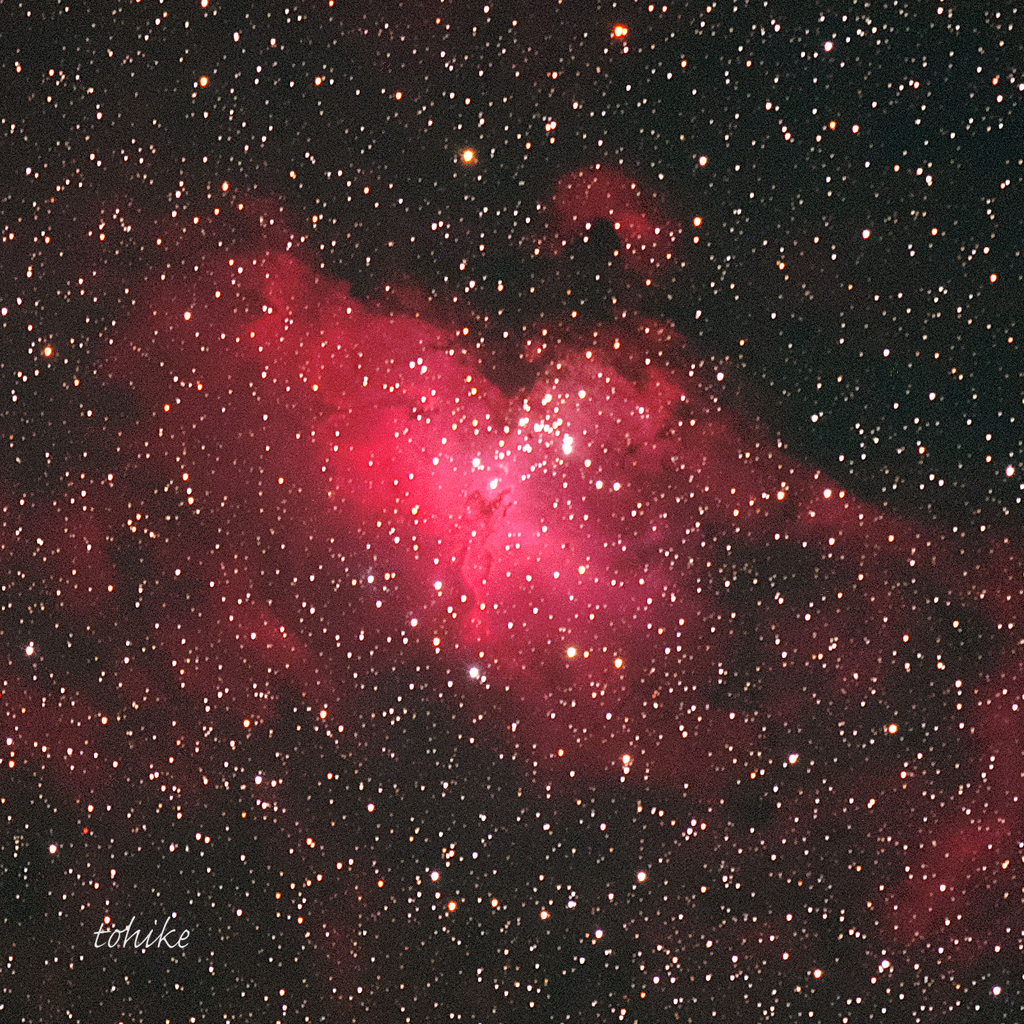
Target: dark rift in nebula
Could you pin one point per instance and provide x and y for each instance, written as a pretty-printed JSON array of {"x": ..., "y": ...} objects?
[{"x": 296, "y": 496}]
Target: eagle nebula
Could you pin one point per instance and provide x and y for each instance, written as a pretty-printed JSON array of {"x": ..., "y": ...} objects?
[{"x": 417, "y": 694}]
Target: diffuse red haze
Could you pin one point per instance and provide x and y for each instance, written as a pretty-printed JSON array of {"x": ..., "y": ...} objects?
[{"x": 627, "y": 577}]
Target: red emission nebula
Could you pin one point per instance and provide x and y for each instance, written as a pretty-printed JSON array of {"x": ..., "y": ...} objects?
[{"x": 620, "y": 579}]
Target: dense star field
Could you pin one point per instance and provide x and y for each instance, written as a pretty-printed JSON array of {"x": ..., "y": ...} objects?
[{"x": 511, "y": 512}]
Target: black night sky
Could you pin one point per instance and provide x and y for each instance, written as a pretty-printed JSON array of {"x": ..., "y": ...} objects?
[{"x": 511, "y": 512}]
